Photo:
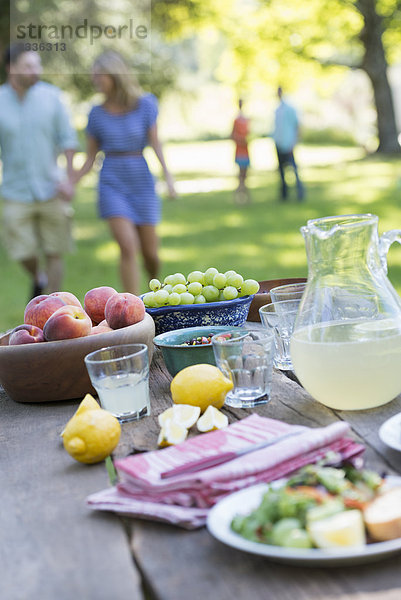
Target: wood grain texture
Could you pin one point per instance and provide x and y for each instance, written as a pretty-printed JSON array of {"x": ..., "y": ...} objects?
[
  {"x": 181, "y": 565},
  {"x": 52, "y": 547}
]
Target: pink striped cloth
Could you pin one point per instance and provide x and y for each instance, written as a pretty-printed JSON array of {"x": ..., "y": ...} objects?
[{"x": 185, "y": 499}]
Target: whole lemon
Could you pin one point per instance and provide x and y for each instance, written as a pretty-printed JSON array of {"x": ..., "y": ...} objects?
[
  {"x": 200, "y": 385},
  {"x": 91, "y": 435}
]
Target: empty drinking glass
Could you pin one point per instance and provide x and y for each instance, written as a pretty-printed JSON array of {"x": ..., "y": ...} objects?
[
  {"x": 279, "y": 317},
  {"x": 291, "y": 291},
  {"x": 245, "y": 357}
]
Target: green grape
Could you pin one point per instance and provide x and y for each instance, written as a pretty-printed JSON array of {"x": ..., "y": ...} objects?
[
  {"x": 168, "y": 288},
  {"x": 195, "y": 288},
  {"x": 174, "y": 299},
  {"x": 209, "y": 274},
  {"x": 235, "y": 280},
  {"x": 187, "y": 298},
  {"x": 221, "y": 296},
  {"x": 229, "y": 273},
  {"x": 250, "y": 286},
  {"x": 149, "y": 300},
  {"x": 169, "y": 280},
  {"x": 161, "y": 297},
  {"x": 180, "y": 288},
  {"x": 196, "y": 276},
  {"x": 211, "y": 293},
  {"x": 230, "y": 292},
  {"x": 179, "y": 278},
  {"x": 154, "y": 285},
  {"x": 200, "y": 299},
  {"x": 219, "y": 280}
]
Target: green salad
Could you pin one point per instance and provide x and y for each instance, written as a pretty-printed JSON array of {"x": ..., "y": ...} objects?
[{"x": 319, "y": 506}]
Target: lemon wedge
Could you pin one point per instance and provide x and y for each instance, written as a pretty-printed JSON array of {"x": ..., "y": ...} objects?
[
  {"x": 171, "y": 433},
  {"x": 344, "y": 529},
  {"x": 182, "y": 414},
  {"x": 211, "y": 419}
]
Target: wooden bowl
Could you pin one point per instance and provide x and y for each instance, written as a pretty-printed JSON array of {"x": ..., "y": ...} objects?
[
  {"x": 50, "y": 371},
  {"x": 263, "y": 295}
]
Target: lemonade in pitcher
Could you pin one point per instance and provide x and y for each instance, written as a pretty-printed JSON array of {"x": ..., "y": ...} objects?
[
  {"x": 348, "y": 371},
  {"x": 346, "y": 343}
]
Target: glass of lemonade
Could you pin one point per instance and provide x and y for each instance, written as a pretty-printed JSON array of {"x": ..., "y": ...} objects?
[{"x": 120, "y": 376}]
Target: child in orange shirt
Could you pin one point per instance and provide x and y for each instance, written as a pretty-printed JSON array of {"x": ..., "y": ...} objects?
[{"x": 239, "y": 135}]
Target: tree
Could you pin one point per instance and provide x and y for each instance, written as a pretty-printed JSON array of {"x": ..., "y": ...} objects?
[
  {"x": 374, "y": 63},
  {"x": 272, "y": 39}
]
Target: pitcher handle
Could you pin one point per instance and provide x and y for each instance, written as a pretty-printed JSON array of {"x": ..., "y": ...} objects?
[{"x": 385, "y": 241}]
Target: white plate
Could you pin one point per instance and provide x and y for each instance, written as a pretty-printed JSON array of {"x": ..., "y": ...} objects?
[
  {"x": 244, "y": 501},
  {"x": 390, "y": 432}
]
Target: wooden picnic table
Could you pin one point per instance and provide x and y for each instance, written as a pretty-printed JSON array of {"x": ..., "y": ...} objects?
[{"x": 54, "y": 548}]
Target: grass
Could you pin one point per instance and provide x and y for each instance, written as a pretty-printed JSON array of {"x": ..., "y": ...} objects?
[{"x": 203, "y": 227}]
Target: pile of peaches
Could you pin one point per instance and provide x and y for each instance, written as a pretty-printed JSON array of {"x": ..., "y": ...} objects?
[{"x": 60, "y": 315}]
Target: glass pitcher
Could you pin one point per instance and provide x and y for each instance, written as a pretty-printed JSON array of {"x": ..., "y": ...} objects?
[{"x": 346, "y": 344}]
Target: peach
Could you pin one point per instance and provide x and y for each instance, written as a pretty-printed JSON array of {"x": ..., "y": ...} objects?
[
  {"x": 39, "y": 309},
  {"x": 68, "y": 298},
  {"x": 95, "y": 302},
  {"x": 101, "y": 329},
  {"x": 124, "y": 309},
  {"x": 25, "y": 334},
  {"x": 66, "y": 323}
]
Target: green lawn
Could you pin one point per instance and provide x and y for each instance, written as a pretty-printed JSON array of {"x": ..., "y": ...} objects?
[{"x": 203, "y": 227}]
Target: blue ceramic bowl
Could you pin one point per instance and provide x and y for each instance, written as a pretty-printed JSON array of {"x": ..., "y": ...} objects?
[
  {"x": 231, "y": 312},
  {"x": 178, "y": 357}
]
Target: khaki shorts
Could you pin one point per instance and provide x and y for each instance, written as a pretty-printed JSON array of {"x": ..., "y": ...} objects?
[{"x": 35, "y": 228}]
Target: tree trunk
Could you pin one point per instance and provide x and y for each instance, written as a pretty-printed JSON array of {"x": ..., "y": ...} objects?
[{"x": 375, "y": 65}]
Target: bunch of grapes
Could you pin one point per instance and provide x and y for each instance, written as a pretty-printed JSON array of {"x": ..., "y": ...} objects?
[{"x": 198, "y": 288}]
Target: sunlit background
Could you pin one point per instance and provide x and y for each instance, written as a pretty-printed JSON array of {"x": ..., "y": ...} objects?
[{"x": 206, "y": 55}]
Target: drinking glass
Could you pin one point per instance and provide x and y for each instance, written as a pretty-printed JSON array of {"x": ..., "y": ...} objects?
[
  {"x": 246, "y": 358},
  {"x": 279, "y": 317},
  {"x": 291, "y": 291},
  {"x": 120, "y": 375}
]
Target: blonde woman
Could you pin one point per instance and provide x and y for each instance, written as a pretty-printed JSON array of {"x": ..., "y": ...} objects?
[{"x": 121, "y": 127}]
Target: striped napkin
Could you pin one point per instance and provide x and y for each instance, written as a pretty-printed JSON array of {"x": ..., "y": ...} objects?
[{"x": 185, "y": 499}]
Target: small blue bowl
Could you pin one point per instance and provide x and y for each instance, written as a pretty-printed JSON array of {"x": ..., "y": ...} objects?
[
  {"x": 231, "y": 312},
  {"x": 178, "y": 357}
]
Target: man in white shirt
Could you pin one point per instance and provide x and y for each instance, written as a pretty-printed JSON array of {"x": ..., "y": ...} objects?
[
  {"x": 286, "y": 126},
  {"x": 34, "y": 129}
]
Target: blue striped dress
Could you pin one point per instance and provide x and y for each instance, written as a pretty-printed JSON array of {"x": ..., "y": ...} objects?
[{"x": 126, "y": 186}]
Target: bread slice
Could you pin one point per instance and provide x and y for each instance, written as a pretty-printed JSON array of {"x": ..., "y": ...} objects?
[{"x": 383, "y": 516}]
